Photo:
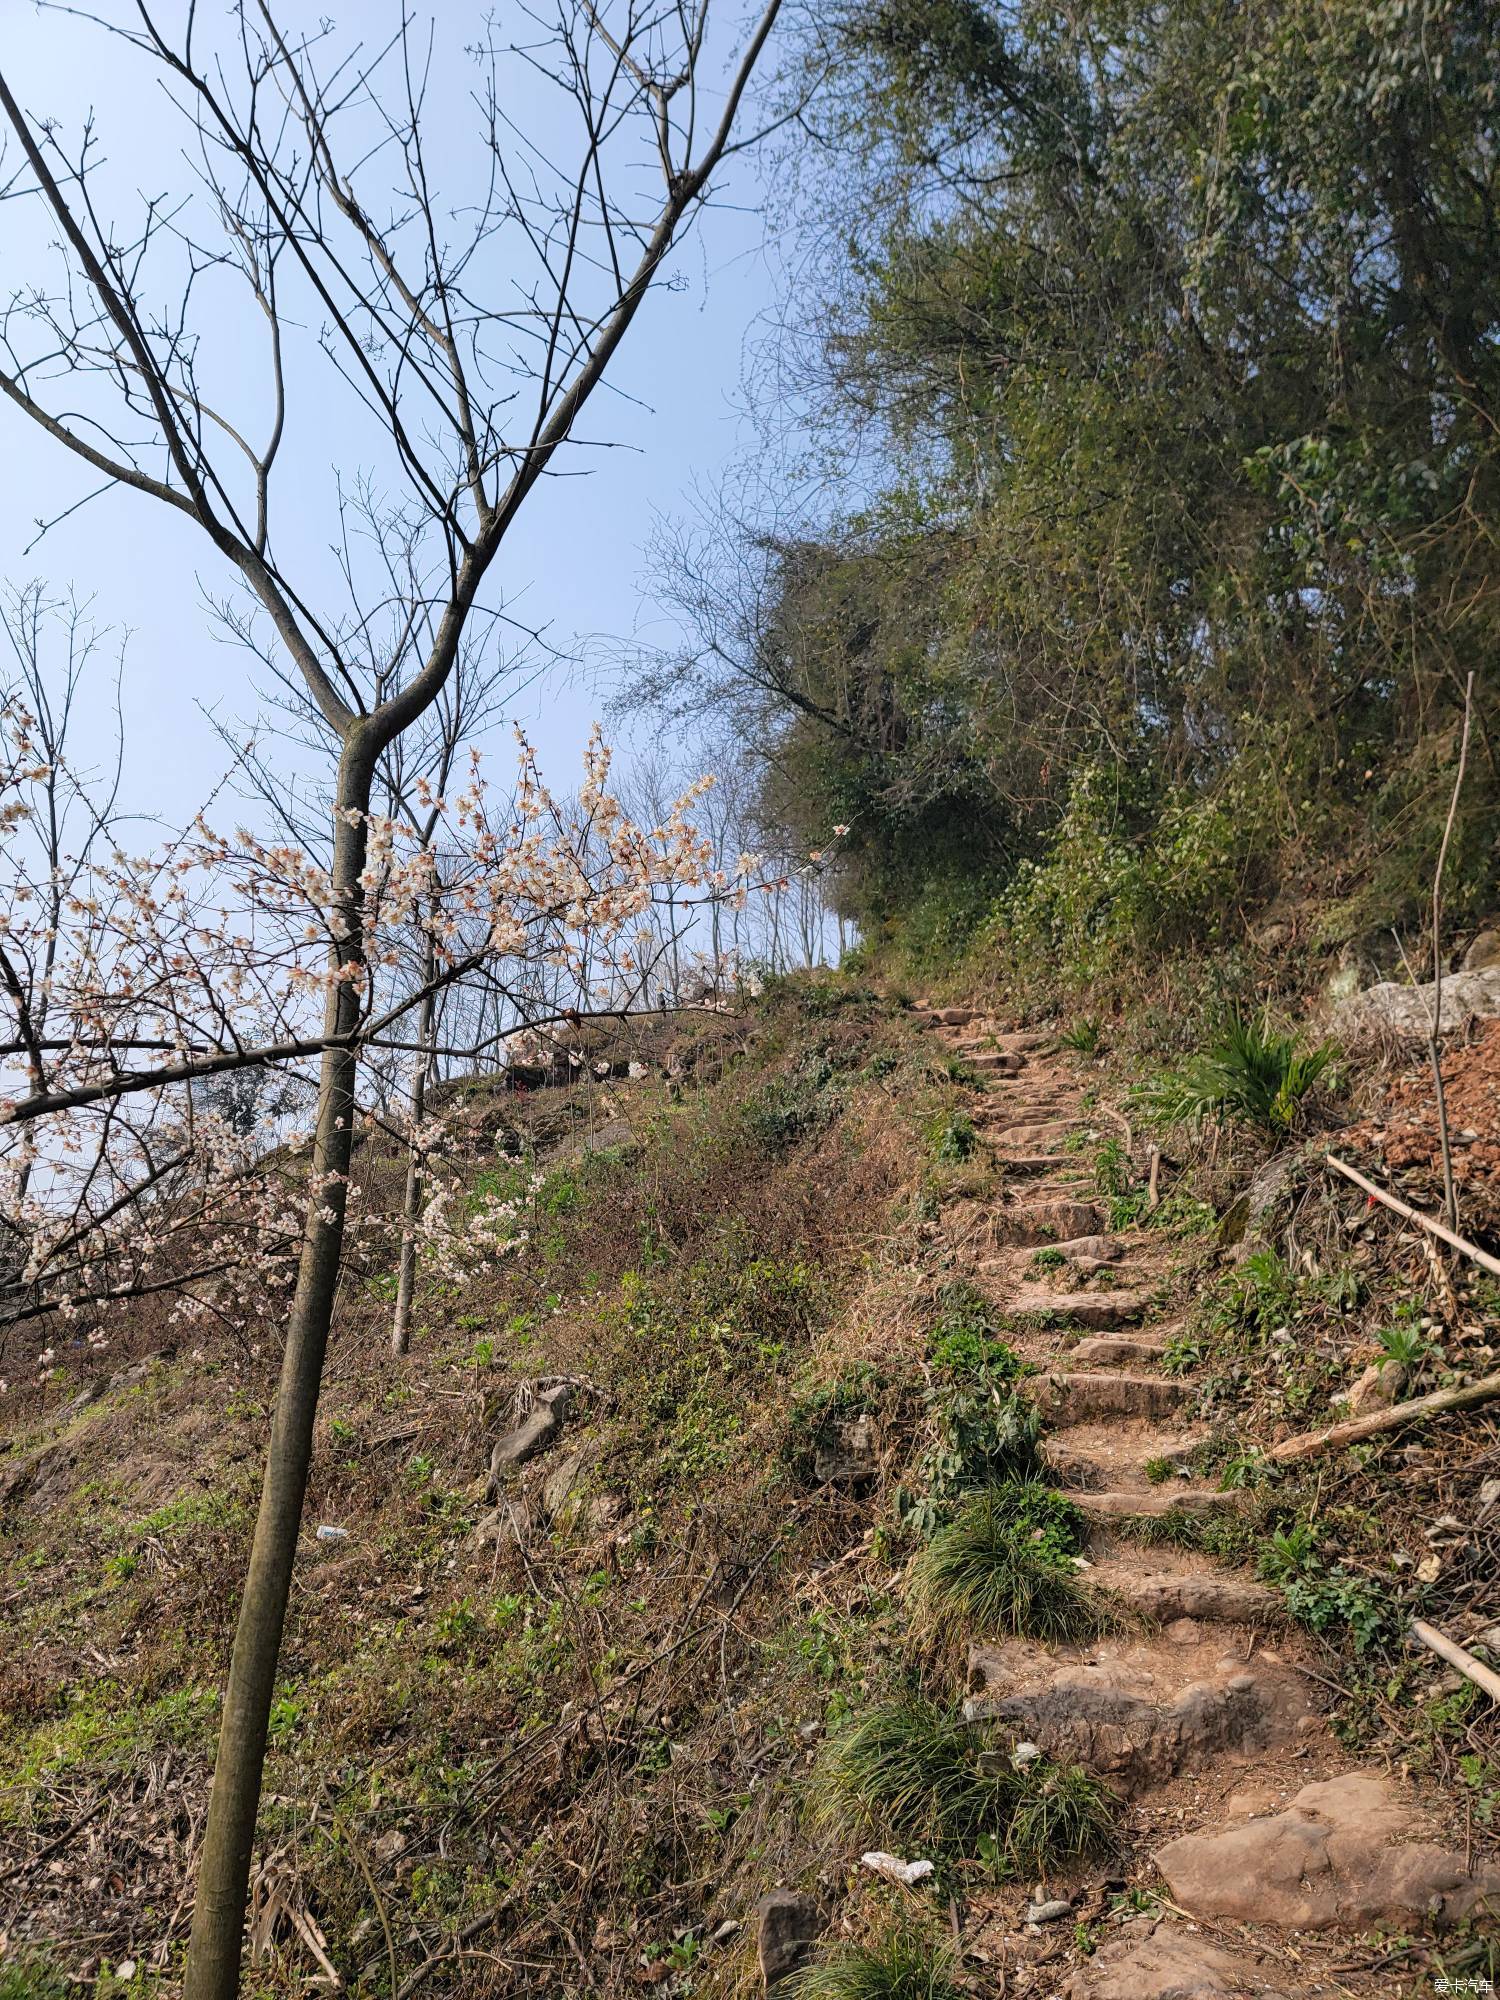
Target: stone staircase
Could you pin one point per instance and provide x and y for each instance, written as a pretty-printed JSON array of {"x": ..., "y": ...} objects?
[{"x": 1196, "y": 1711}]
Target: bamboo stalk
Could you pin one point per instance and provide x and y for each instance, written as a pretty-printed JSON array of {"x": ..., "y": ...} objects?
[
  {"x": 1427, "y": 1222},
  {"x": 1472, "y": 1669},
  {"x": 1308, "y": 1444}
]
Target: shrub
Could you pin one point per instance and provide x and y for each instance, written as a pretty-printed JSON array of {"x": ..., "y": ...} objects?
[
  {"x": 903, "y": 1964},
  {"x": 1005, "y": 1565},
  {"x": 1254, "y": 1074},
  {"x": 952, "y": 1138}
]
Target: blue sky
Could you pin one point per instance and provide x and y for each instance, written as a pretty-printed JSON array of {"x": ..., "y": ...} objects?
[{"x": 574, "y": 561}]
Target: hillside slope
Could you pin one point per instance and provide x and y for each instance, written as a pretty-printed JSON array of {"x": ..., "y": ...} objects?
[{"x": 850, "y": 1458}]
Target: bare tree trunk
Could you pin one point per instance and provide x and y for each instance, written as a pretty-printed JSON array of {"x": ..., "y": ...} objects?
[
  {"x": 213, "y": 1966},
  {"x": 412, "y": 1200}
]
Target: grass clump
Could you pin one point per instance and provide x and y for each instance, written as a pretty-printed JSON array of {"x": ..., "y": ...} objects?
[
  {"x": 1006, "y": 1565},
  {"x": 953, "y": 1138},
  {"x": 1254, "y": 1074},
  {"x": 902, "y": 1964},
  {"x": 917, "y": 1772}
]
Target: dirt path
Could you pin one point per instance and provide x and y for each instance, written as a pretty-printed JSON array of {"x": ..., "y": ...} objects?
[{"x": 1281, "y": 1851}]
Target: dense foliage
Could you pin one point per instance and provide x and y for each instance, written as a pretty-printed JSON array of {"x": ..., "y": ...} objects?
[{"x": 1177, "y": 323}]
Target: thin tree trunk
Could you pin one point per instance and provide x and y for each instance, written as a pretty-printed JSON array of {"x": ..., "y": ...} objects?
[
  {"x": 215, "y": 1947},
  {"x": 412, "y": 1200}
]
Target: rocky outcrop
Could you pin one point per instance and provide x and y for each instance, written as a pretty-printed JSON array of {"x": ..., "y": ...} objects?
[
  {"x": 1117, "y": 1719},
  {"x": 1339, "y": 1854},
  {"x": 1170, "y": 1965},
  {"x": 787, "y": 1927},
  {"x": 1405, "y": 1012},
  {"x": 850, "y": 1454},
  {"x": 545, "y": 1406}
]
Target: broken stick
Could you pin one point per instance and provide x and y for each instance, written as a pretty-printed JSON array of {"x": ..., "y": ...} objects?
[
  {"x": 1428, "y": 1222},
  {"x": 1446, "y": 1649},
  {"x": 1308, "y": 1444}
]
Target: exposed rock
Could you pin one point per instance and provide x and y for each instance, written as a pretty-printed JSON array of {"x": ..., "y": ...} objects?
[
  {"x": 561, "y": 1482},
  {"x": 1045, "y": 1222},
  {"x": 1383, "y": 1383},
  {"x": 613, "y": 1136},
  {"x": 787, "y": 1926},
  {"x": 1113, "y": 1350},
  {"x": 507, "y": 1526},
  {"x": 1155, "y": 1500},
  {"x": 1086, "y": 1309},
  {"x": 1077, "y": 1399},
  {"x": 1034, "y": 1138},
  {"x": 1113, "y": 1716},
  {"x": 537, "y": 1429},
  {"x": 1050, "y": 1912},
  {"x": 851, "y": 1455},
  {"x": 1335, "y": 1856},
  {"x": 1406, "y": 1011},
  {"x": 1207, "y": 1596},
  {"x": 1168, "y": 1965},
  {"x": 955, "y": 1017},
  {"x": 1484, "y": 953},
  {"x": 39, "y": 1477}
]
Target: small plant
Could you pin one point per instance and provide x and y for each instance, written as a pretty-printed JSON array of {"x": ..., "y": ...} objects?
[
  {"x": 965, "y": 1343},
  {"x": 1048, "y": 1260},
  {"x": 953, "y": 1138},
  {"x": 1183, "y": 1352},
  {"x": 1005, "y": 1565},
  {"x": 1084, "y": 1035},
  {"x": 1254, "y": 1074},
  {"x": 903, "y": 1964},
  {"x": 1404, "y": 1343},
  {"x": 987, "y": 1436},
  {"x": 1159, "y": 1470}
]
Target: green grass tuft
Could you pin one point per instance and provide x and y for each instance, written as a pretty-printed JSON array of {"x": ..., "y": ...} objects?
[
  {"x": 918, "y": 1773},
  {"x": 904, "y": 1964},
  {"x": 1005, "y": 1565}
]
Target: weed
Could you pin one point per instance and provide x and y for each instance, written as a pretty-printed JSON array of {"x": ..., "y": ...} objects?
[
  {"x": 1254, "y": 1074},
  {"x": 1005, "y": 1565},
  {"x": 1048, "y": 1260},
  {"x": 902, "y": 1964},
  {"x": 1329, "y": 1599},
  {"x": 1084, "y": 1035},
  {"x": 1405, "y": 1343},
  {"x": 1159, "y": 1470},
  {"x": 952, "y": 1138},
  {"x": 965, "y": 1344},
  {"x": 987, "y": 1436}
]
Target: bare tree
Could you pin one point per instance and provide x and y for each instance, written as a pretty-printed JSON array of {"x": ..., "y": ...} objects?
[{"x": 472, "y": 370}]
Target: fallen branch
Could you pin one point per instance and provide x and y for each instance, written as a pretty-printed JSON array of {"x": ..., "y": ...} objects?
[
  {"x": 1428, "y": 1222},
  {"x": 1308, "y": 1444},
  {"x": 1472, "y": 1669}
]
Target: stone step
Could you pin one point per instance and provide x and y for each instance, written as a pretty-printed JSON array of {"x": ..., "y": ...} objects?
[
  {"x": 1136, "y": 1712},
  {"x": 1047, "y": 1136},
  {"x": 1112, "y": 1350},
  {"x": 1096, "y": 1310},
  {"x": 1207, "y": 1596},
  {"x": 1079, "y": 1399},
  {"x": 1034, "y": 1224},
  {"x": 995, "y": 1062},
  {"x": 1153, "y": 1502}
]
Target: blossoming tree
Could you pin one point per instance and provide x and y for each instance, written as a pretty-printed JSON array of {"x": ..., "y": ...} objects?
[{"x": 469, "y": 336}]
